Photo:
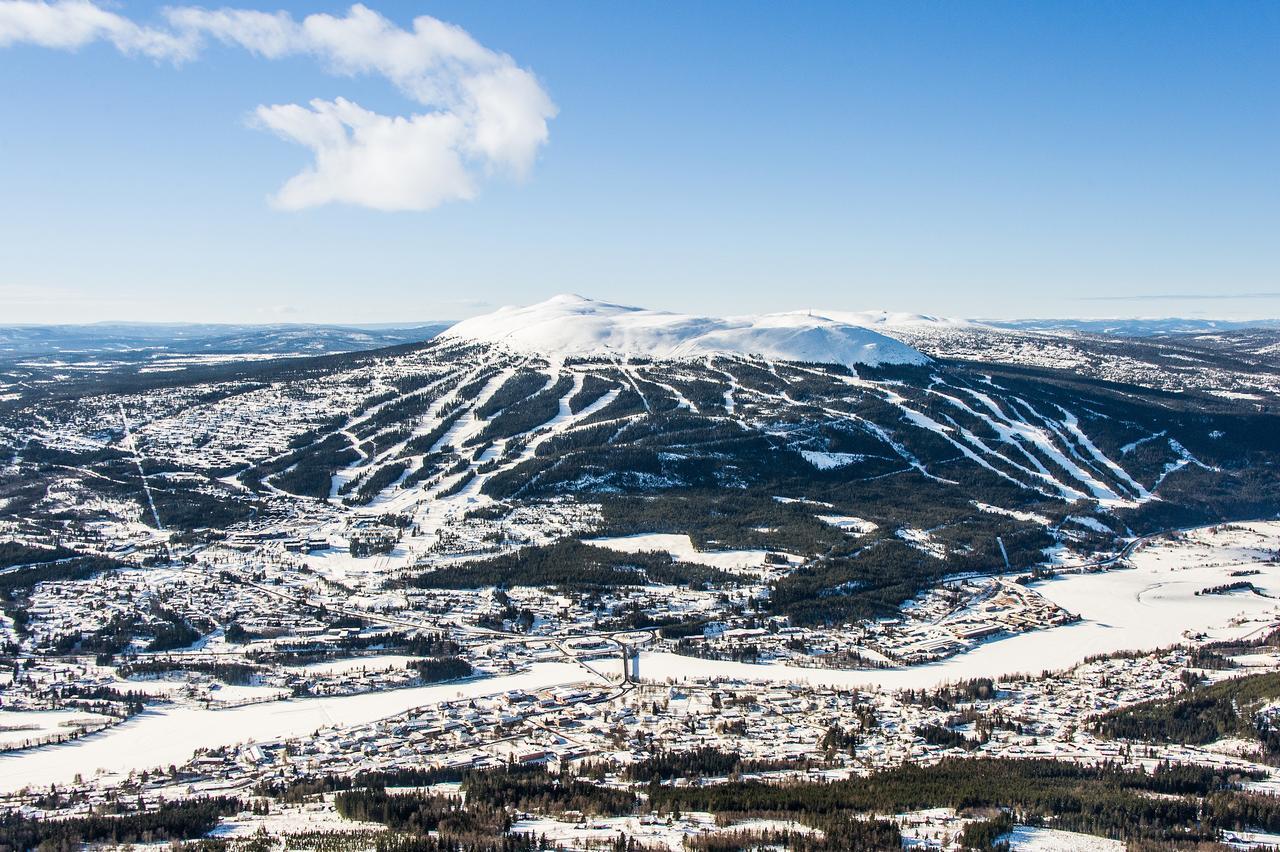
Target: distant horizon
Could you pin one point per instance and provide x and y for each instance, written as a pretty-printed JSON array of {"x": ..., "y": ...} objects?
[{"x": 433, "y": 321}]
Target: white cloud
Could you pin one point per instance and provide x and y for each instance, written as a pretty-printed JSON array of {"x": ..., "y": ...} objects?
[
  {"x": 71, "y": 24},
  {"x": 485, "y": 114},
  {"x": 384, "y": 162}
]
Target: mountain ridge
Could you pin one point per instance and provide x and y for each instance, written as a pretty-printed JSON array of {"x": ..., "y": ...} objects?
[{"x": 578, "y": 326}]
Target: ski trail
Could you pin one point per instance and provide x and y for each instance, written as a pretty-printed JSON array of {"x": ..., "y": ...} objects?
[
  {"x": 429, "y": 418},
  {"x": 1072, "y": 425},
  {"x": 132, "y": 444},
  {"x": 730, "y": 399},
  {"x": 681, "y": 400},
  {"x": 925, "y": 422},
  {"x": 884, "y": 436},
  {"x": 627, "y": 373},
  {"x": 1010, "y": 432}
]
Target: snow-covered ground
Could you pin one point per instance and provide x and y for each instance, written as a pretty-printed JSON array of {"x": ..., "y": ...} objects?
[
  {"x": 849, "y": 523},
  {"x": 380, "y": 662},
  {"x": 922, "y": 541},
  {"x": 827, "y": 461},
  {"x": 170, "y": 735},
  {"x": 286, "y": 819},
  {"x": 573, "y": 325},
  {"x": 21, "y": 726},
  {"x": 681, "y": 548},
  {"x": 665, "y": 832},
  {"x": 1026, "y": 838},
  {"x": 1152, "y": 605}
]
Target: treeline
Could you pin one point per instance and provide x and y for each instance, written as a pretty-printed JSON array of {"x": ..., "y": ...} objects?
[
  {"x": 941, "y": 735},
  {"x": 491, "y": 796},
  {"x": 395, "y": 842},
  {"x": 409, "y": 407},
  {"x": 307, "y": 471},
  {"x": 170, "y": 631},
  {"x": 187, "y": 507},
  {"x": 987, "y": 833},
  {"x": 1194, "y": 803},
  {"x": 571, "y": 564},
  {"x": 593, "y": 388},
  {"x": 1228, "y": 588},
  {"x": 239, "y": 674},
  {"x": 420, "y": 444},
  {"x": 1228, "y": 708},
  {"x": 522, "y": 385},
  {"x": 436, "y": 669},
  {"x": 298, "y": 791},
  {"x": 371, "y": 485},
  {"x": 81, "y": 568},
  {"x": 626, "y": 403},
  {"x": 864, "y": 835},
  {"x": 422, "y": 813},
  {"x": 312, "y": 474},
  {"x": 429, "y": 467},
  {"x": 15, "y": 553},
  {"x": 533, "y": 788},
  {"x": 703, "y": 762},
  {"x": 416, "y": 644},
  {"x": 183, "y": 820},
  {"x": 525, "y": 415},
  {"x": 951, "y": 695}
]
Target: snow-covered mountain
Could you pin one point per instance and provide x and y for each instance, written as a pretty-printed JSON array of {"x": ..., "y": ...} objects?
[
  {"x": 569, "y": 325},
  {"x": 882, "y": 470}
]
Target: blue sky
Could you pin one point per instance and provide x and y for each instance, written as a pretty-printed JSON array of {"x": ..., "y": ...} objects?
[{"x": 966, "y": 159}]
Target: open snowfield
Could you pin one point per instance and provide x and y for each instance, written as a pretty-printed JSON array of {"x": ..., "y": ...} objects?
[
  {"x": 681, "y": 548},
  {"x": 849, "y": 523},
  {"x": 599, "y": 832},
  {"x": 171, "y": 735},
  {"x": 1152, "y": 605},
  {"x": 291, "y": 819},
  {"x": 573, "y": 325},
  {"x": 19, "y": 726},
  {"x": 377, "y": 663},
  {"x": 1026, "y": 838}
]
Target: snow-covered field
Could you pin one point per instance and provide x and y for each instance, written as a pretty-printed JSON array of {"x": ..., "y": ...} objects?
[
  {"x": 377, "y": 663},
  {"x": 668, "y": 833},
  {"x": 849, "y": 523},
  {"x": 1026, "y": 838},
  {"x": 1151, "y": 605},
  {"x": 292, "y": 819},
  {"x": 681, "y": 548},
  {"x": 21, "y": 726},
  {"x": 171, "y": 735}
]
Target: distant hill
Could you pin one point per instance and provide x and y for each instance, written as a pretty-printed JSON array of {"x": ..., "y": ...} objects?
[
  {"x": 142, "y": 340},
  {"x": 1137, "y": 327}
]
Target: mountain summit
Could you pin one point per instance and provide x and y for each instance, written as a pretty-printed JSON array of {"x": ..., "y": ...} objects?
[{"x": 574, "y": 325}]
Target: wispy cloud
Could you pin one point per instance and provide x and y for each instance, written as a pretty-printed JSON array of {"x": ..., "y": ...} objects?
[
  {"x": 485, "y": 114},
  {"x": 1165, "y": 297}
]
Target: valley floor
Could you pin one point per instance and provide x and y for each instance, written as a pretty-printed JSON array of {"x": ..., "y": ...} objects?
[{"x": 570, "y": 702}]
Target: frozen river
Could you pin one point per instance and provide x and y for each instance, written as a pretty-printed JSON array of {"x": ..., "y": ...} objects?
[
  {"x": 170, "y": 735},
  {"x": 1152, "y": 605}
]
